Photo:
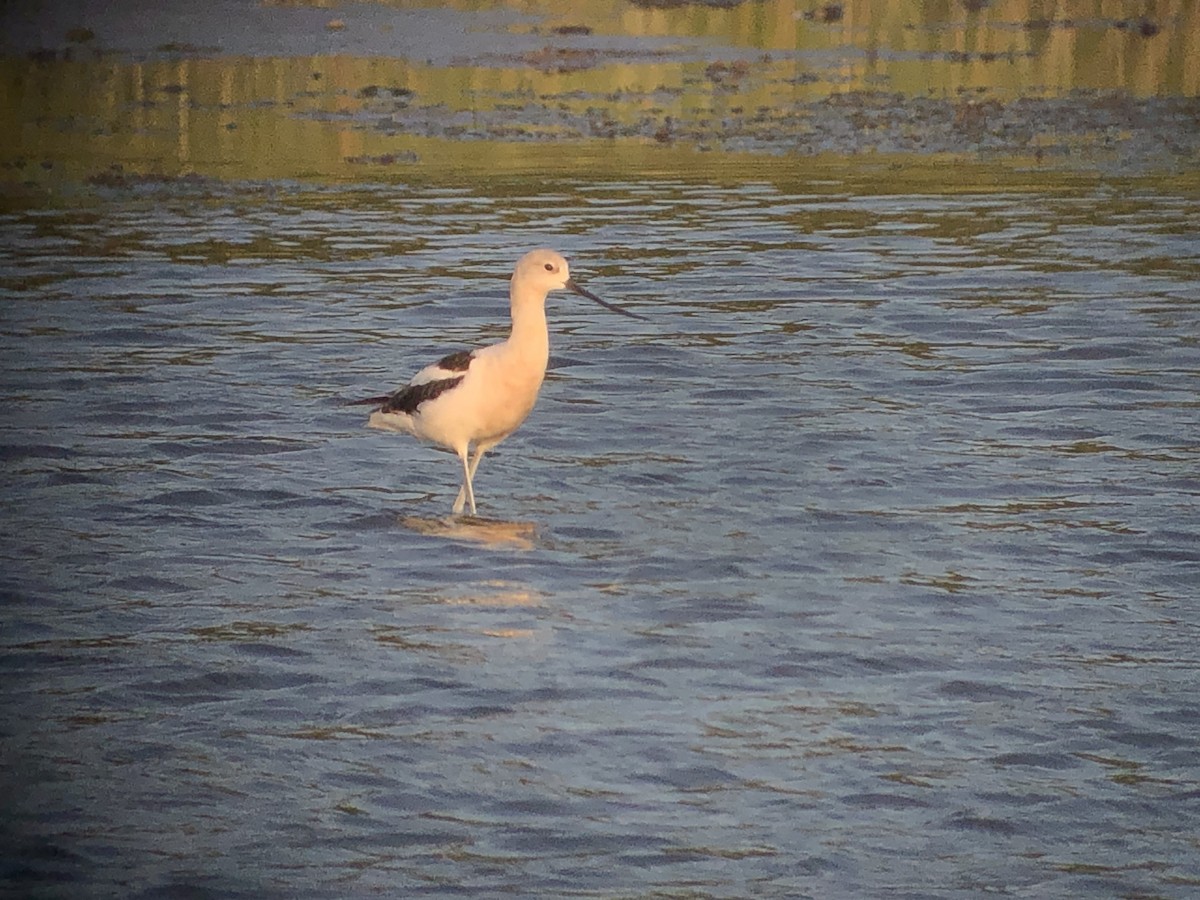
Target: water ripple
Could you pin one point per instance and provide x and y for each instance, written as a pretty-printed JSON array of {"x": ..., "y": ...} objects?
[{"x": 865, "y": 567}]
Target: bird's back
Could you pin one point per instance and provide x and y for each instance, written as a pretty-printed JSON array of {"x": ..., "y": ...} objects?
[{"x": 467, "y": 397}]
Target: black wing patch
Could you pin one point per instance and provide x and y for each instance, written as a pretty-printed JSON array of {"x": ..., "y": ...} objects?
[
  {"x": 407, "y": 399},
  {"x": 369, "y": 401},
  {"x": 457, "y": 362}
]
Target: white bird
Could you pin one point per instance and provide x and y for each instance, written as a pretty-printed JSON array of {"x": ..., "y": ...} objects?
[{"x": 477, "y": 398}]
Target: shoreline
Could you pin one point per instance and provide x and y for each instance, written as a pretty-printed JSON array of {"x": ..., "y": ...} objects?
[{"x": 254, "y": 92}]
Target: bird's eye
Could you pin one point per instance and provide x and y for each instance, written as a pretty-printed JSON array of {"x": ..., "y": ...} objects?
[{"x": 549, "y": 267}]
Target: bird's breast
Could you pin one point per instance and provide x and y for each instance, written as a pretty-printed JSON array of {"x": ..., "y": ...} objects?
[
  {"x": 506, "y": 396},
  {"x": 494, "y": 398}
]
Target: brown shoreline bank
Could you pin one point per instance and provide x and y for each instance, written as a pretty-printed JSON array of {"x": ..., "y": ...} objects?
[{"x": 109, "y": 92}]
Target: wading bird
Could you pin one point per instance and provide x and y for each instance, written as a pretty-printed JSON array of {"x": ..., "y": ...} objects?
[{"x": 477, "y": 398}]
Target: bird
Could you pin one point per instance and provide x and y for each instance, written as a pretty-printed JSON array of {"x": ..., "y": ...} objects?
[{"x": 471, "y": 400}]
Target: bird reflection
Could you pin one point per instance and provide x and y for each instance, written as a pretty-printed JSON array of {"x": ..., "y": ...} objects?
[{"x": 492, "y": 533}]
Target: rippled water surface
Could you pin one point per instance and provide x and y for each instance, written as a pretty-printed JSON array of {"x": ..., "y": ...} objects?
[{"x": 866, "y": 567}]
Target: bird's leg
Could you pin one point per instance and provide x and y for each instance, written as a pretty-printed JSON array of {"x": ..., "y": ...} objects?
[
  {"x": 465, "y": 493},
  {"x": 469, "y": 483},
  {"x": 461, "y": 499},
  {"x": 479, "y": 451}
]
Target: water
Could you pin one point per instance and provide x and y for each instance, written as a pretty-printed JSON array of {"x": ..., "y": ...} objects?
[{"x": 866, "y": 567}]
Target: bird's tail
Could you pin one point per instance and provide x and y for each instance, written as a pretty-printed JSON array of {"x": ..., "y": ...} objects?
[
  {"x": 370, "y": 401},
  {"x": 385, "y": 421},
  {"x": 391, "y": 421}
]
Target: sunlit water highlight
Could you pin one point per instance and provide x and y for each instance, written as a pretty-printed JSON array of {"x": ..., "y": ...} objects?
[{"x": 866, "y": 567}]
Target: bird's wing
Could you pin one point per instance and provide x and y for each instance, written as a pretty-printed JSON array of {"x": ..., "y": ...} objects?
[
  {"x": 409, "y": 399},
  {"x": 453, "y": 366},
  {"x": 430, "y": 382},
  {"x": 370, "y": 401}
]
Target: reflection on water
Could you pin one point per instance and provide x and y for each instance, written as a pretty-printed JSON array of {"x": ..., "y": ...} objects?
[
  {"x": 865, "y": 567},
  {"x": 493, "y": 533},
  {"x": 398, "y": 92}
]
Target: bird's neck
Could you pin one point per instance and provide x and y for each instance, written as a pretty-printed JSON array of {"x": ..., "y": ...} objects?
[{"x": 530, "y": 338}]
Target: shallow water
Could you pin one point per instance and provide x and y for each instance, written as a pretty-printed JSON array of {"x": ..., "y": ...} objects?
[{"x": 866, "y": 567}]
